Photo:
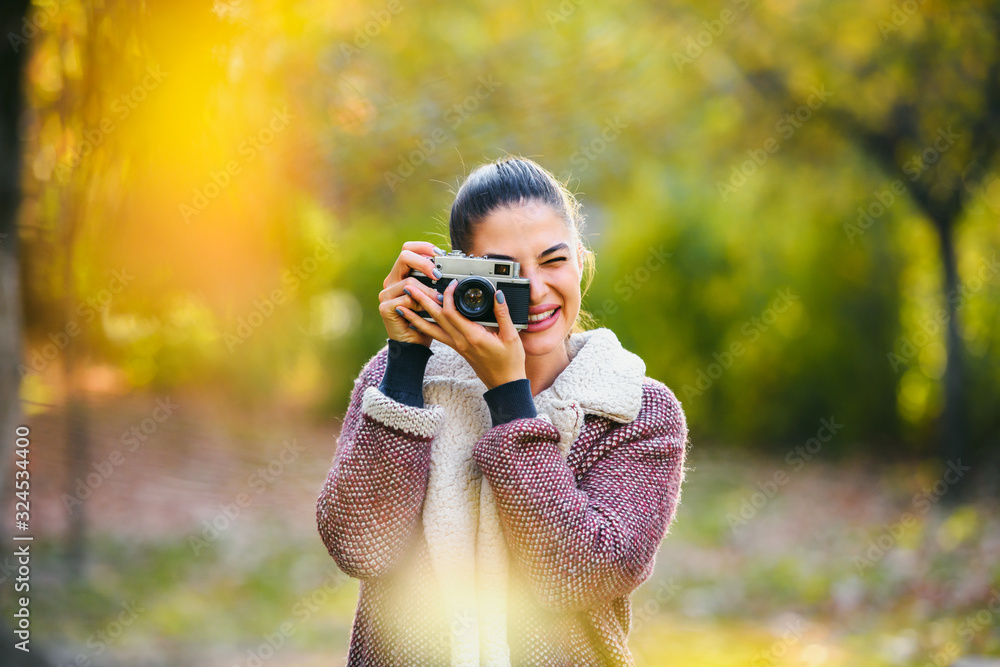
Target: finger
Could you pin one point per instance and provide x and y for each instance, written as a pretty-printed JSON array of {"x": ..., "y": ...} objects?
[
  {"x": 402, "y": 266},
  {"x": 394, "y": 316},
  {"x": 417, "y": 255},
  {"x": 397, "y": 312},
  {"x": 436, "y": 310},
  {"x": 462, "y": 328},
  {"x": 417, "y": 322},
  {"x": 502, "y": 312},
  {"x": 423, "y": 248},
  {"x": 405, "y": 289},
  {"x": 409, "y": 317},
  {"x": 409, "y": 288},
  {"x": 407, "y": 261},
  {"x": 431, "y": 329}
]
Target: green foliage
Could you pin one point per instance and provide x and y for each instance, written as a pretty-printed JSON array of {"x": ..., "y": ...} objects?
[{"x": 733, "y": 138}]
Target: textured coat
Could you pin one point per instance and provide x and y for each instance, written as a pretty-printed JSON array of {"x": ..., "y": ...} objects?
[{"x": 532, "y": 567}]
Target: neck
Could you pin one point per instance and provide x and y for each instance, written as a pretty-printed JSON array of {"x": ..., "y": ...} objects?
[{"x": 543, "y": 370}]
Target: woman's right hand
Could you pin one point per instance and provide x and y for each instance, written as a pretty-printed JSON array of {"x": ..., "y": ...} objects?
[{"x": 417, "y": 255}]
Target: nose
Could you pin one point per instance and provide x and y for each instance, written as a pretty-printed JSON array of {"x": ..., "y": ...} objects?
[{"x": 537, "y": 288}]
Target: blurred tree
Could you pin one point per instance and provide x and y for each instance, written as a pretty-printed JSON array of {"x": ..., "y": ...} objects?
[
  {"x": 388, "y": 108},
  {"x": 13, "y": 56},
  {"x": 12, "y": 59},
  {"x": 945, "y": 85},
  {"x": 78, "y": 52}
]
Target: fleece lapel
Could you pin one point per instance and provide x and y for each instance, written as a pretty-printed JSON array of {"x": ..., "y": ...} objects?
[{"x": 602, "y": 378}]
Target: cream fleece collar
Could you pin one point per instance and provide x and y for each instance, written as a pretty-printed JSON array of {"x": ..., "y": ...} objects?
[
  {"x": 602, "y": 378},
  {"x": 460, "y": 517}
]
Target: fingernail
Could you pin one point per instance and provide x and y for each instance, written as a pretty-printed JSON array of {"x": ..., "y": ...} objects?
[
  {"x": 440, "y": 297},
  {"x": 407, "y": 290},
  {"x": 438, "y": 251},
  {"x": 437, "y": 274},
  {"x": 499, "y": 296},
  {"x": 400, "y": 311},
  {"x": 413, "y": 327}
]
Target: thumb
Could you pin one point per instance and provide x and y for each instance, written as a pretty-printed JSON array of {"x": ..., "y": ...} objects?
[{"x": 502, "y": 312}]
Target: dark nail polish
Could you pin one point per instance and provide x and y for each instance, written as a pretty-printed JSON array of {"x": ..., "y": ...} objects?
[
  {"x": 499, "y": 296},
  {"x": 437, "y": 274},
  {"x": 407, "y": 290},
  {"x": 400, "y": 311}
]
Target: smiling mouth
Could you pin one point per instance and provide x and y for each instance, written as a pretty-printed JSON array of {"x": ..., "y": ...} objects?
[{"x": 542, "y": 316}]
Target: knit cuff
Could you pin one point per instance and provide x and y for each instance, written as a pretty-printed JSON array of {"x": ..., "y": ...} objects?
[
  {"x": 511, "y": 400},
  {"x": 421, "y": 422},
  {"x": 404, "y": 372}
]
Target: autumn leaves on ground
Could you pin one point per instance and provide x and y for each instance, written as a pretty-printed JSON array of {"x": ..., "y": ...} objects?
[
  {"x": 793, "y": 209},
  {"x": 201, "y": 549}
]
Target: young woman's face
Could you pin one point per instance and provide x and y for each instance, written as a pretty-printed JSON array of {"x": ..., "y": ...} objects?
[{"x": 537, "y": 237}]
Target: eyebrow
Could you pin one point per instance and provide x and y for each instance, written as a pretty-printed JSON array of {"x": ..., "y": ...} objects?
[{"x": 558, "y": 246}]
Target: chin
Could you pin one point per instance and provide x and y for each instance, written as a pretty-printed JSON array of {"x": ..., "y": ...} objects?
[
  {"x": 541, "y": 343},
  {"x": 536, "y": 348}
]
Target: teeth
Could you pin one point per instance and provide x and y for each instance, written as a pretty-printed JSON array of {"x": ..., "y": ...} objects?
[{"x": 541, "y": 316}]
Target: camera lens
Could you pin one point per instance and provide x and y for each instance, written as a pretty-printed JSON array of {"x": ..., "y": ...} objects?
[{"x": 474, "y": 297}]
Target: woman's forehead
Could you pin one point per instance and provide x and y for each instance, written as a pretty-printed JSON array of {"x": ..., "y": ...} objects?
[{"x": 526, "y": 228}]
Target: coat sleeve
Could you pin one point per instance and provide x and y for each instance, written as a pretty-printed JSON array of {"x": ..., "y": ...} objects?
[
  {"x": 583, "y": 543},
  {"x": 370, "y": 503}
]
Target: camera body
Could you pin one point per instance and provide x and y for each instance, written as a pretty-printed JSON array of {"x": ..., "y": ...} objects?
[{"x": 478, "y": 280}]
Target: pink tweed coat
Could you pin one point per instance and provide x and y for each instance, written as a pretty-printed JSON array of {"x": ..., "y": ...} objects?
[{"x": 585, "y": 493}]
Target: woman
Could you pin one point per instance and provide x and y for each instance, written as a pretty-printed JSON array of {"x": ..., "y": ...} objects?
[{"x": 506, "y": 520}]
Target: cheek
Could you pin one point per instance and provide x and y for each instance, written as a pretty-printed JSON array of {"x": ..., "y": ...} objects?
[{"x": 569, "y": 286}]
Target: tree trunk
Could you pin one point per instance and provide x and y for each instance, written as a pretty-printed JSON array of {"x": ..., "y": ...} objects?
[
  {"x": 952, "y": 424},
  {"x": 13, "y": 56},
  {"x": 12, "y": 59}
]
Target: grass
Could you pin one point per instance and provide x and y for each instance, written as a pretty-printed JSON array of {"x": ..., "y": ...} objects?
[{"x": 783, "y": 587}]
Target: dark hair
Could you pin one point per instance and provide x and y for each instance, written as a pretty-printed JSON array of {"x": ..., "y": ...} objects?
[{"x": 514, "y": 181}]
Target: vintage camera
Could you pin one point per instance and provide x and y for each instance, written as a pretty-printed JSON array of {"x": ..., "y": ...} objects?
[{"x": 478, "y": 279}]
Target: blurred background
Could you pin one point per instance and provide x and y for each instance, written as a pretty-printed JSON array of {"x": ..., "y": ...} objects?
[{"x": 794, "y": 207}]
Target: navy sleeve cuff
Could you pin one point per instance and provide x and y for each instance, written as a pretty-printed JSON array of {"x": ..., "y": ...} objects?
[
  {"x": 404, "y": 372},
  {"x": 511, "y": 400}
]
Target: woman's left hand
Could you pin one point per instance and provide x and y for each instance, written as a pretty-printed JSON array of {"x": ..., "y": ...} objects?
[{"x": 497, "y": 356}]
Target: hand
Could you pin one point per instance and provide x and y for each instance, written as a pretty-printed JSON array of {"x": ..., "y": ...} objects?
[
  {"x": 398, "y": 286},
  {"x": 496, "y": 355}
]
